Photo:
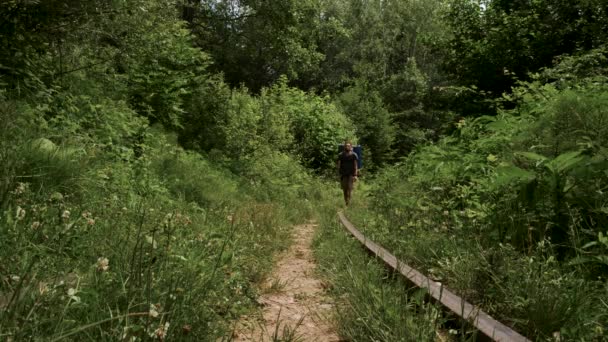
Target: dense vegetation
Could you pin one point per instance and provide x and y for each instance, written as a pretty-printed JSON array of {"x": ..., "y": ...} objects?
[
  {"x": 153, "y": 155},
  {"x": 510, "y": 209}
]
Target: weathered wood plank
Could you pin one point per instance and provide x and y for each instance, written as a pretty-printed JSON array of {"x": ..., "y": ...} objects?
[{"x": 481, "y": 320}]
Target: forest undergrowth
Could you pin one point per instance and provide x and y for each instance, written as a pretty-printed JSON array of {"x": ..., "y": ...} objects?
[
  {"x": 99, "y": 246},
  {"x": 510, "y": 210},
  {"x": 154, "y": 155},
  {"x": 141, "y": 198}
]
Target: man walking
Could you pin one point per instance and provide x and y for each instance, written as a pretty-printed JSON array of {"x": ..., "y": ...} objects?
[{"x": 347, "y": 166}]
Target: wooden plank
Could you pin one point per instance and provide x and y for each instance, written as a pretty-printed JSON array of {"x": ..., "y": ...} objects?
[{"x": 481, "y": 320}]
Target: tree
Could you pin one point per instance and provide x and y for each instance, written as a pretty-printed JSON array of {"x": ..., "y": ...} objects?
[
  {"x": 497, "y": 43},
  {"x": 254, "y": 42},
  {"x": 390, "y": 57},
  {"x": 373, "y": 123},
  {"x": 35, "y": 37}
]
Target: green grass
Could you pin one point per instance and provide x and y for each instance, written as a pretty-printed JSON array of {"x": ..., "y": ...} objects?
[
  {"x": 534, "y": 293},
  {"x": 102, "y": 248},
  {"x": 372, "y": 303},
  {"x": 286, "y": 333}
]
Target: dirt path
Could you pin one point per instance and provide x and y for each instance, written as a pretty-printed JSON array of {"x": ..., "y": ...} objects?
[{"x": 294, "y": 307}]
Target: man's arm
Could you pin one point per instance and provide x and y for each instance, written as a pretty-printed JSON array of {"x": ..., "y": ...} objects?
[{"x": 355, "y": 161}]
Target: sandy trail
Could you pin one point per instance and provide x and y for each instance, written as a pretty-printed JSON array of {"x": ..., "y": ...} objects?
[{"x": 295, "y": 307}]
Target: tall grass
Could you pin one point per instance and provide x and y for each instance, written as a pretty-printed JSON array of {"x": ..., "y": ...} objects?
[
  {"x": 509, "y": 212},
  {"x": 100, "y": 246},
  {"x": 372, "y": 304}
]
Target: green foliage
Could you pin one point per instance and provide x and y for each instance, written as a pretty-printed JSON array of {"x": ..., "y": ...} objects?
[
  {"x": 281, "y": 119},
  {"x": 111, "y": 231},
  {"x": 81, "y": 119},
  {"x": 255, "y": 42},
  {"x": 389, "y": 60},
  {"x": 317, "y": 125},
  {"x": 138, "y": 50},
  {"x": 373, "y": 123},
  {"x": 594, "y": 253},
  {"x": 164, "y": 74},
  {"x": 102, "y": 247},
  {"x": 204, "y": 111},
  {"x": 192, "y": 184},
  {"x": 503, "y": 41},
  {"x": 373, "y": 305},
  {"x": 33, "y": 37},
  {"x": 543, "y": 284},
  {"x": 391, "y": 47},
  {"x": 508, "y": 210}
]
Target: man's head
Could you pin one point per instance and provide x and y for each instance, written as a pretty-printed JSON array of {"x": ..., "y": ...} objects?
[{"x": 348, "y": 147}]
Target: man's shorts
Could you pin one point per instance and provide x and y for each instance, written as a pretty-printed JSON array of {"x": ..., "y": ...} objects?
[{"x": 347, "y": 182}]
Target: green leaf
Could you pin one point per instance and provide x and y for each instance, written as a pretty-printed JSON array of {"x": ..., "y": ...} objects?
[
  {"x": 508, "y": 174},
  {"x": 532, "y": 156},
  {"x": 580, "y": 260},
  {"x": 602, "y": 259},
  {"x": 596, "y": 259},
  {"x": 590, "y": 244},
  {"x": 565, "y": 161}
]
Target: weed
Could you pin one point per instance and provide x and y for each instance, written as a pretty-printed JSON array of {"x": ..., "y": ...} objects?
[
  {"x": 276, "y": 285},
  {"x": 371, "y": 304},
  {"x": 113, "y": 249},
  {"x": 287, "y": 333}
]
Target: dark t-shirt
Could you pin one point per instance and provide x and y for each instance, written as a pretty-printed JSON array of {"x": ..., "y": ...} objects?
[{"x": 347, "y": 163}]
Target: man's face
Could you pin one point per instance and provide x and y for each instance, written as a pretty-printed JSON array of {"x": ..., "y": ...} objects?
[{"x": 348, "y": 147}]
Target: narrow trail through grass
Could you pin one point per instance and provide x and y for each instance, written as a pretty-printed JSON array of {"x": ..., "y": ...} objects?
[{"x": 294, "y": 306}]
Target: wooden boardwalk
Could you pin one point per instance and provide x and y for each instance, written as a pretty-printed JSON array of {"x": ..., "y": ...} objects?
[{"x": 481, "y": 320}]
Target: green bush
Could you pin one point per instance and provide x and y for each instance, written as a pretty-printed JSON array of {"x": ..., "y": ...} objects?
[
  {"x": 101, "y": 247},
  {"x": 281, "y": 118},
  {"x": 510, "y": 210},
  {"x": 373, "y": 123}
]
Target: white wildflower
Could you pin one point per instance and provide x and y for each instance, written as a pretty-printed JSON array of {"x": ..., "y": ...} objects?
[
  {"x": 20, "y": 214},
  {"x": 153, "y": 311},
  {"x": 161, "y": 331},
  {"x": 65, "y": 215},
  {"x": 151, "y": 240},
  {"x": 103, "y": 264},
  {"x": 43, "y": 288},
  {"x": 21, "y": 188},
  {"x": 128, "y": 335},
  {"x": 72, "y": 295},
  {"x": 557, "y": 336},
  {"x": 35, "y": 225}
]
